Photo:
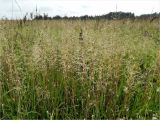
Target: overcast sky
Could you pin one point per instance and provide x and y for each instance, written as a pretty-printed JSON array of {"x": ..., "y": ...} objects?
[{"x": 76, "y": 7}]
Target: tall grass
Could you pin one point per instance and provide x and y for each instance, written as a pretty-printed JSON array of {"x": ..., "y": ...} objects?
[{"x": 80, "y": 69}]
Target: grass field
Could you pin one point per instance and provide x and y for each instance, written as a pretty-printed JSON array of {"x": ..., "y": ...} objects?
[{"x": 93, "y": 69}]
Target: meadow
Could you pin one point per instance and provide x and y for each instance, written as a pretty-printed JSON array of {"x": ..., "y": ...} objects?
[{"x": 74, "y": 69}]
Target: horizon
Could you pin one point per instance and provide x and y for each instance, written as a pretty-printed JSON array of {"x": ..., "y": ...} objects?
[{"x": 16, "y": 9}]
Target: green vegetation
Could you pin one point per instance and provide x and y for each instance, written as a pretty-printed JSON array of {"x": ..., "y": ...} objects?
[{"x": 93, "y": 69}]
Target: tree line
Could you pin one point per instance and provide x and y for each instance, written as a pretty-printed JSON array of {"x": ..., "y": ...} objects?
[{"x": 109, "y": 16}]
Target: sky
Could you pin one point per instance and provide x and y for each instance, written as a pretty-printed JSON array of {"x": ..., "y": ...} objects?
[{"x": 18, "y": 8}]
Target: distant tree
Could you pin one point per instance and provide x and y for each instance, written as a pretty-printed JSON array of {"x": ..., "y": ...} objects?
[
  {"x": 65, "y": 17},
  {"x": 85, "y": 17},
  {"x": 38, "y": 17},
  {"x": 149, "y": 16},
  {"x": 31, "y": 15},
  {"x": 57, "y": 17},
  {"x": 45, "y": 16}
]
